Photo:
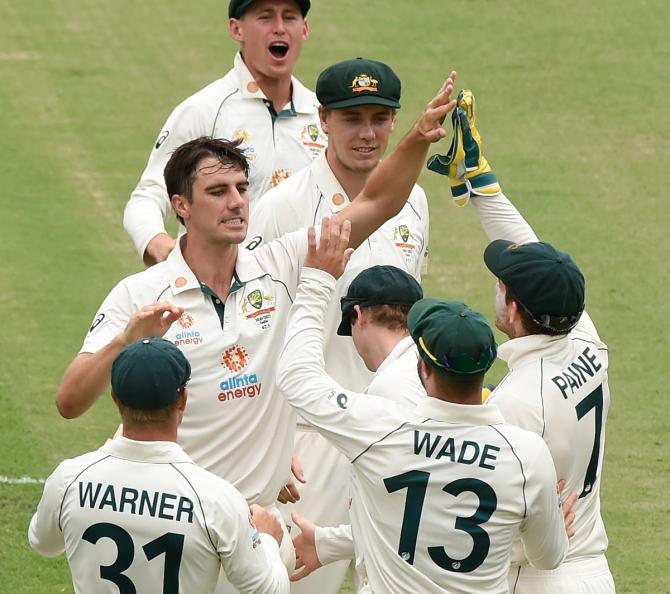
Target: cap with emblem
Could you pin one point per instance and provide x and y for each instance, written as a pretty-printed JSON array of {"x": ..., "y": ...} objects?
[
  {"x": 149, "y": 374},
  {"x": 358, "y": 82},
  {"x": 378, "y": 285},
  {"x": 545, "y": 281},
  {"x": 237, "y": 8},
  {"x": 452, "y": 337}
]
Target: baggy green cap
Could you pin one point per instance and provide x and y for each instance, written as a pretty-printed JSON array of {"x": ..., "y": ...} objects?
[
  {"x": 452, "y": 337},
  {"x": 358, "y": 82},
  {"x": 237, "y": 8},
  {"x": 149, "y": 374},
  {"x": 378, "y": 285},
  {"x": 545, "y": 281}
]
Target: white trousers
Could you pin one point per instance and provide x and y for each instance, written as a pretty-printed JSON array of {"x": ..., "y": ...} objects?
[
  {"x": 324, "y": 499},
  {"x": 585, "y": 576}
]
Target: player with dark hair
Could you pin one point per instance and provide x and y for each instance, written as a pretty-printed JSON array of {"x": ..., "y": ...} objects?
[
  {"x": 440, "y": 491},
  {"x": 115, "y": 510}
]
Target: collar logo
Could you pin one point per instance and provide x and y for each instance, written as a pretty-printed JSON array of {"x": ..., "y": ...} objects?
[
  {"x": 235, "y": 358},
  {"x": 185, "y": 321},
  {"x": 364, "y": 82}
]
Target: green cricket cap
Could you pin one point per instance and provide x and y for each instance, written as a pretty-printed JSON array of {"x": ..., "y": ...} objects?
[
  {"x": 452, "y": 337},
  {"x": 546, "y": 282},
  {"x": 149, "y": 374},
  {"x": 378, "y": 285},
  {"x": 358, "y": 82},
  {"x": 237, "y": 8}
]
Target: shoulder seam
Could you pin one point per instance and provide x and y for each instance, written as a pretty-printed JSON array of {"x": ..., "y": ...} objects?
[
  {"x": 218, "y": 111},
  {"x": 60, "y": 510},
  {"x": 202, "y": 509},
  {"x": 523, "y": 488}
]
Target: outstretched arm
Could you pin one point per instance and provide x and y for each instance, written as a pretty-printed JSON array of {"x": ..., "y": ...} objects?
[{"x": 389, "y": 186}]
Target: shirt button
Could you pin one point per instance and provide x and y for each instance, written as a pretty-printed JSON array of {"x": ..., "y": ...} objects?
[{"x": 218, "y": 301}]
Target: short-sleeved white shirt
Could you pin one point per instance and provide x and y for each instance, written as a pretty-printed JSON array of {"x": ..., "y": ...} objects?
[
  {"x": 236, "y": 424},
  {"x": 558, "y": 387},
  {"x": 440, "y": 491},
  {"x": 402, "y": 241},
  {"x": 233, "y": 108},
  {"x": 142, "y": 514}
]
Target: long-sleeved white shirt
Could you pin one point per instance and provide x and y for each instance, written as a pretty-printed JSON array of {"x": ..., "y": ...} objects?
[
  {"x": 557, "y": 387},
  {"x": 440, "y": 492},
  {"x": 234, "y": 108},
  {"x": 141, "y": 516}
]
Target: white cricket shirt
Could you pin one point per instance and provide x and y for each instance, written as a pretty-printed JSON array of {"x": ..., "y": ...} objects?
[
  {"x": 440, "y": 491},
  {"x": 141, "y": 516},
  {"x": 557, "y": 387},
  {"x": 236, "y": 423},
  {"x": 402, "y": 241},
  {"x": 234, "y": 108}
]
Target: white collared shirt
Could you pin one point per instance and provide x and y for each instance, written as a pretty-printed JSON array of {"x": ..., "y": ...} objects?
[
  {"x": 115, "y": 510},
  {"x": 233, "y": 108},
  {"x": 557, "y": 387},
  {"x": 236, "y": 424},
  {"x": 402, "y": 241},
  {"x": 440, "y": 491}
]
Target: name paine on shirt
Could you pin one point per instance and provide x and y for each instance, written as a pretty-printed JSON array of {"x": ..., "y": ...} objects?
[
  {"x": 575, "y": 375},
  {"x": 461, "y": 452},
  {"x": 135, "y": 502}
]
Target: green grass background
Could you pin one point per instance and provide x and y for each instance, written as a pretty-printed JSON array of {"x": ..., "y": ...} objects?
[{"x": 572, "y": 102}]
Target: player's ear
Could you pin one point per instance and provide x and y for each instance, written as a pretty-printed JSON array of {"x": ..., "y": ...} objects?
[
  {"x": 360, "y": 315},
  {"x": 181, "y": 206},
  {"x": 305, "y": 30},
  {"x": 235, "y": 31},
  {"x": 181, "y": 403},
  {"x": 323, "y": 118}
]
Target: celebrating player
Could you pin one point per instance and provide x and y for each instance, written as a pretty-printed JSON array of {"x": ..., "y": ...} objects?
[
  {"x": 227, "y": 308},
  {"x": 557, "y": 385},
  {"x": 440, "y": 491},
  {"x": 138, "y": 497},
  {"x": 359, "y": 99},
  {"x": 258, "y": 102}
]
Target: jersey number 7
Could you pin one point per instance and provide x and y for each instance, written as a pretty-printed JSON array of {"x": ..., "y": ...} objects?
[
  {"x": 416, "y": 483},
  {"x": 593, "y": 401}
]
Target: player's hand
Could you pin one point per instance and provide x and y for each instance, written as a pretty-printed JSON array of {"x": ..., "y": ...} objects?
[
  {"x": 566, "y": 507},
  {"x": 151, "y": 321},
  {"x": 305, "y": 548},
  {"x": 289, "y": 492},
  {"x": 266, "y": 522},
  {"x": 429, "y": 125},
  {"x": 158, "y": 249},
  {"x": 331, "y": 254}
]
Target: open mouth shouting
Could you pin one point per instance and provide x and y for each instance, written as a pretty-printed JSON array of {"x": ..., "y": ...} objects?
[{"x": 278, "y": 49}]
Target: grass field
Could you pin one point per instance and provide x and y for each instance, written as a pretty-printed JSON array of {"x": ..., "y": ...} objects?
[{"x": 572, "y": 100}]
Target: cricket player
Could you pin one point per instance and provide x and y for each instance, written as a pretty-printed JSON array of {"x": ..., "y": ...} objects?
[
  {"x": 442, "y": 490},
  {"x": 557, "y": 385},
  {"x": 358, "y": 99},
  {"x": 137, "y": 515},
  {"x": 227, "y": 308},
  {"x": 258, "y": 102}
]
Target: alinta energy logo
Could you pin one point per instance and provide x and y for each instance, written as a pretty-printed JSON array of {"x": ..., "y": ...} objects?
[
  {"x": 188, "y": 336},
  {"x": 239, "y": 385}
]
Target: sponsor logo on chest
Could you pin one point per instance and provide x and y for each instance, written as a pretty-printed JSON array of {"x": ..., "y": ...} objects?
[
  {"x": 187, "y": 335},
  {"x": 241, "y": 384}
]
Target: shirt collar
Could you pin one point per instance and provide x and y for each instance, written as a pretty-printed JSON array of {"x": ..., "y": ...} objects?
[
  {"x": 145, "y": 451},
  {"x": 328, "y": 185},
  {"x": 406, "y": 344},
  {"x": 182, "y": 279},
  {"x": 518, "y": 351},
  {"x": 460, "y": 414},
  {"x": 303, "y": 100}
]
